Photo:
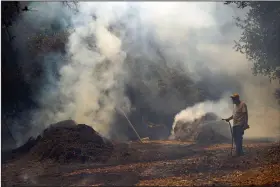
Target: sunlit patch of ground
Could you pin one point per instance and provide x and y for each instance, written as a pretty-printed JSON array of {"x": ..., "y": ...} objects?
[
  {"x": 228, "y": 146},
  {"x": 129, "y": 167},
  {"x": 167, "y": 142},
  {"x": 256, "y": 176}
]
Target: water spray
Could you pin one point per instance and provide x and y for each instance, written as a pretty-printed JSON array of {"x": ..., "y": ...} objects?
[
  {"x": 210, "y": 122},
  {"x": 214, "y": 121},
  {"x": 130, "y": 124}
]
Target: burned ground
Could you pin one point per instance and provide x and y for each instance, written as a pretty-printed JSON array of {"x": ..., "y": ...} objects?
[
  {"x": 156, "y": 163},
  {"x": 67, "y": 153}
]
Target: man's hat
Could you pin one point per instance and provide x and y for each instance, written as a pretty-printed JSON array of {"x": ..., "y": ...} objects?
[{"x": 235, "y": 96}]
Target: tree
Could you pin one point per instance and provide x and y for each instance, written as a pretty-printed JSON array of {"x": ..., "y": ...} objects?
[{"x": 260, "y": 39}]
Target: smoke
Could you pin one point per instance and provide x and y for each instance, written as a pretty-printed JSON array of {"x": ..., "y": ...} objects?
[
  {"x": 264, "y": 113},
  {"x": 257, "y": 93},
  {"x": 220, "y": 108},
  {"x": 86, "y": 82},
  {"x": 170, "y": 54},
  {"x": 81, "y": 89}
]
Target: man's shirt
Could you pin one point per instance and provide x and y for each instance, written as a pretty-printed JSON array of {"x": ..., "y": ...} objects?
[{"x": 240, "y": 114}]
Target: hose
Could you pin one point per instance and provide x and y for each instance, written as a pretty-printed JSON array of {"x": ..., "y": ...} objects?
[{"x": 231, "y": 137}]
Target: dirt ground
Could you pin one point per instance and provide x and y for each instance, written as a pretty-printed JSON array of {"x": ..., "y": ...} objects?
[{"x": 156, "y": 163}]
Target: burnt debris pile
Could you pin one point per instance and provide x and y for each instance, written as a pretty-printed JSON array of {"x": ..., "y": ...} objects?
[
  {"x": 68, "y": 142},
  {"x": 207, "y": 129}
]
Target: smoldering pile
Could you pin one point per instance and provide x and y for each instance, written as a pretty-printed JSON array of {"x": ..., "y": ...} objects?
[
  {"x": 67, "y": 141},
  {"x": 206, "y": 129}
]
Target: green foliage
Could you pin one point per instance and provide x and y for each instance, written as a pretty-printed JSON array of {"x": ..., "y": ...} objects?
[{"x": 260, "y": 39}]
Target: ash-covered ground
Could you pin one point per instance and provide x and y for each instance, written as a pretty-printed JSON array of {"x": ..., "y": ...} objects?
[
  {"x": 74, "y": 154},
  {"x": 156, "y": 163}
]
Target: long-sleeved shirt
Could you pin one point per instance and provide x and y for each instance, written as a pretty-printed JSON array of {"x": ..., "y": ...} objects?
[{"x": 240, "y": 114}]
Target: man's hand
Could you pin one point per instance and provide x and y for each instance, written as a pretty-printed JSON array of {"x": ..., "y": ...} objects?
[
  {"x": 227, "y": 120},
  {"x": 246, "y": 126}
]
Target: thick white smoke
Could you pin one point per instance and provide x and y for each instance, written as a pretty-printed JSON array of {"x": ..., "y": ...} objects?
[
  {"x": 91, "y": 82},
  {"x": 220, "y": 108},
  {"x": 114, "y": 44}
]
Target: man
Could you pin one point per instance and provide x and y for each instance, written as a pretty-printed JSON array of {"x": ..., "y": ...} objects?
[{"x": 240, "y": 122}]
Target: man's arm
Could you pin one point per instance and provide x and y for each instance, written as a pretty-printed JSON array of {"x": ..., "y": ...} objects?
[{"x": 228, "y": 119}]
